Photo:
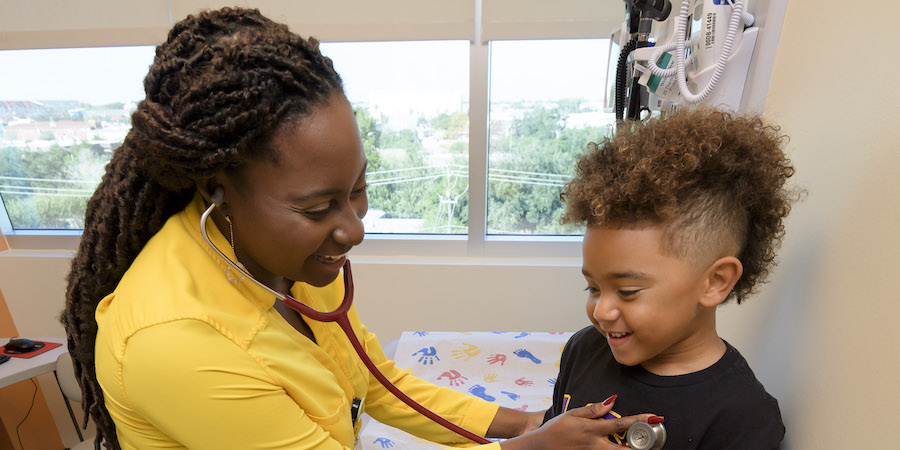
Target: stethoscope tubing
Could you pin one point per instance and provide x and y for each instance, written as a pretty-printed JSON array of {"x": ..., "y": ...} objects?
[{"x": 341, "y": 317}]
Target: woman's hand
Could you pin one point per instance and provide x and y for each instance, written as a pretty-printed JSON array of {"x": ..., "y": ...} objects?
[
  {"x": 510, "y": 423},
  {"x": 576, "y": 429}
]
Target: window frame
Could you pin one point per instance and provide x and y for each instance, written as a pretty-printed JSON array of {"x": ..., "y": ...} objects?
[{"x": 475, "y": 244}]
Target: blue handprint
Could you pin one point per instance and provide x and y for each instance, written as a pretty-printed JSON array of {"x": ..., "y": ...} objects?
[
  {"x": 522, "y": 353},
  {"x": 385, "y": 442},
  {"x": 521, "y": 335},
  {"x": 421, "y": 333},
  {"x": 479, "y": 391},
  {"x": 429, "y": 354},
  {"x": 511, "y": 395}
]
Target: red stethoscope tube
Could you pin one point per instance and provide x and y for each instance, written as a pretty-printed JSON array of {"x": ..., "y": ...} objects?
[{"x": 340, "y": 316}]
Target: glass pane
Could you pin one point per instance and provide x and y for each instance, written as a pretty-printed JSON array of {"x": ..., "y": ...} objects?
[
  {"x": 546, "y": 105},
  {"x": 412, "y": 108},
  {"x": 62, "y": 112}
]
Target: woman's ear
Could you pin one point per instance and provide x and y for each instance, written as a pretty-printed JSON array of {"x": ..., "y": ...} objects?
[
  {"x": 721, "y": 277},
  {"x": 208, "y": 186}
]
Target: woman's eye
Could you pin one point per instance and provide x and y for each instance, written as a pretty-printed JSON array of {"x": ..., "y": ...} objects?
[
  {"x": 628, "y": 293},
  {"x": 361, "y": 190},
  {"x": 318, "y": 211}
]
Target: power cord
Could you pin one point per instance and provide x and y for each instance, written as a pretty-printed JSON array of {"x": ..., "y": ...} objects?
[{"x": 33, "y": 395}]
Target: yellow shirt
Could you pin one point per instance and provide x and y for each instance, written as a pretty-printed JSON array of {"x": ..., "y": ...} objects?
[{"x": 188, "y": 359}]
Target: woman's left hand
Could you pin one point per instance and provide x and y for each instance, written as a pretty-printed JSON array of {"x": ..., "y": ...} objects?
[{"x": 510, "y": 423}]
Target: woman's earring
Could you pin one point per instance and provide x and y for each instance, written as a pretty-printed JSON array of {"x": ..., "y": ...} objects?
[{"x": 228, "y": 269}]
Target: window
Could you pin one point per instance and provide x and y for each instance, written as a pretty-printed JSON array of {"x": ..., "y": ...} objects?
[
  {"x": 412, "y": 107},
  {"x": 423, "y": 113},
  {"x": 62, "y": 112},
  {"x": 546, "y": 105}
]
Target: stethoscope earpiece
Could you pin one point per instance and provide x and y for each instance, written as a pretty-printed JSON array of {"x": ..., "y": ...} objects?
[{"x": 218, "y": 196}]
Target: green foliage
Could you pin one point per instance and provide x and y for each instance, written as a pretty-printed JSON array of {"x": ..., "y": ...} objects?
[
  {"x": 406, "y": 183},
  {"x": 44, "y": 202},
  {"x": 541, "y": 145}
]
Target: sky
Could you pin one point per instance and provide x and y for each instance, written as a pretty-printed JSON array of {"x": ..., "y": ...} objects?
[{"x": 520, "y": 70}]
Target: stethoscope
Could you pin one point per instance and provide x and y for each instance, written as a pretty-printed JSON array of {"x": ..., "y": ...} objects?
[{"x": 340, "y": 316}]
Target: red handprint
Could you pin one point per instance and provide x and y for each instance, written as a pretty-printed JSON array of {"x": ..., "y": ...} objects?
[
  {"x": 523, "y": 382},
  {"x": 453, "y": 377},
  {"x": 497, "y": 358}
]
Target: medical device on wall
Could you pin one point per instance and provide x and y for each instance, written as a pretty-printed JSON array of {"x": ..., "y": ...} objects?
[{"x": 700, "y": 53}]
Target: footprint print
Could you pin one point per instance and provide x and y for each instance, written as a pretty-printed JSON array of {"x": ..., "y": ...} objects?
[
  {"x": 522, "y": 353},
  {"x": 479, "y": 391}
]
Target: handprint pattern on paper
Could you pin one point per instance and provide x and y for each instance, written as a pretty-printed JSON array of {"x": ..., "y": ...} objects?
[
  {"x": 514, "y": 369},
  {"x": 385, "y": 442},
  {"x": 454, "y": 378},
  {"x": 467, "y": 353},
  {"x": 524, "y": 382},
  {"x": 429, "y": 355}
]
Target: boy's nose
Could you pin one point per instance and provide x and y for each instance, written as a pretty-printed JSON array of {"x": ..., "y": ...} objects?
[{"x": 604, "y": 311}]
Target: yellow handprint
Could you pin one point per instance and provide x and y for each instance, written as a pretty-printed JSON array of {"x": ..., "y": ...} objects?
[
  {"x": 467, "y": 353},
  {"x": 491, "y": 378}
]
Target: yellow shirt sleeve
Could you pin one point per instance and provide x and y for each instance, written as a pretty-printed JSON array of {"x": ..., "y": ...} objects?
[{"x": 224, "y": 398}]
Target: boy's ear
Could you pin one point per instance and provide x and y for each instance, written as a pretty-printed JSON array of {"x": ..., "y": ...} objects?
[{"x": 721, "y": 277}]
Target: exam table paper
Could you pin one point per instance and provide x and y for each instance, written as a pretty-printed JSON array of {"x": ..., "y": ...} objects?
[{"x": 513, "y": 369}]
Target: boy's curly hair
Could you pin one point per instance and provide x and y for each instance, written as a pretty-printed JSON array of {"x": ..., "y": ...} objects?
[{"x": 714, "y": 180}]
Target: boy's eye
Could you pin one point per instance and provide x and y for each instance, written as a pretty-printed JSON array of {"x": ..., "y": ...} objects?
[
  {"x": 364, "y": 188},
  {"x": 591, "y": 290},
  {"x": 628, "y": 293}
]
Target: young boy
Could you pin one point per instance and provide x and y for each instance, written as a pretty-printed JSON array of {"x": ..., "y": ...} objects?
[{"x": 683, "y": 213}]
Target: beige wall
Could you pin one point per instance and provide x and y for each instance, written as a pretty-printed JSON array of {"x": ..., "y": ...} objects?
[
  {"x": 821, "y": 335},
  {"x": 838, "y": 336}
]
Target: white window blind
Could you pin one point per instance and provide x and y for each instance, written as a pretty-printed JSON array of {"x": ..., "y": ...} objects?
[
  {"x": 89, "y": 23},
  {"x": 359, "y": 20},
  {"x": 542, "y": 19},
  {"x": 36, "y": 24}
]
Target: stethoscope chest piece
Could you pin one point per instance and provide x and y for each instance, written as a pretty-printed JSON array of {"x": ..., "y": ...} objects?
[{"x": 643, "y": 436}]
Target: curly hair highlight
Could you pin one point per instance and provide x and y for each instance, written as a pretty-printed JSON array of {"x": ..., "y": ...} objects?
[
  {"x": 714, "y": 180},
  {"x": 218, "y": 88}
]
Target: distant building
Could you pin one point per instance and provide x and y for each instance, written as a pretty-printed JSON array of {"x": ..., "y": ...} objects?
[
  {"x": 57, "y": 130},
  {"x": 9, "y": 109}
]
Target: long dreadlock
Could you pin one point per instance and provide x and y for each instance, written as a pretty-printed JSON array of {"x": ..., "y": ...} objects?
[{"x": 217, "y": 89}]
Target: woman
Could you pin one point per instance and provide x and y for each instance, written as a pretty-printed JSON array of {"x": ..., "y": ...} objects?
[{"x": 175, "y": 349}]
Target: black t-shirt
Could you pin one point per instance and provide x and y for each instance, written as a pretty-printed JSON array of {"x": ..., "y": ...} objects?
[{"x": 720, "y": 407}]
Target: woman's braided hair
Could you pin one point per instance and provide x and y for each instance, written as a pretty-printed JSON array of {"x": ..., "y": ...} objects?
[{"x": 219, "y": 87}]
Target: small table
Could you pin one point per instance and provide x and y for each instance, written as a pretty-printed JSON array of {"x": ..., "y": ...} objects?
[
  {"x": 514, "y": 369},
  {"x": 20, "y": 369}
]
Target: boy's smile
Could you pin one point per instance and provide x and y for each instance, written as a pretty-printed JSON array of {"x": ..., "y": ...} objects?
[{"x": 650, "y": 306}]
